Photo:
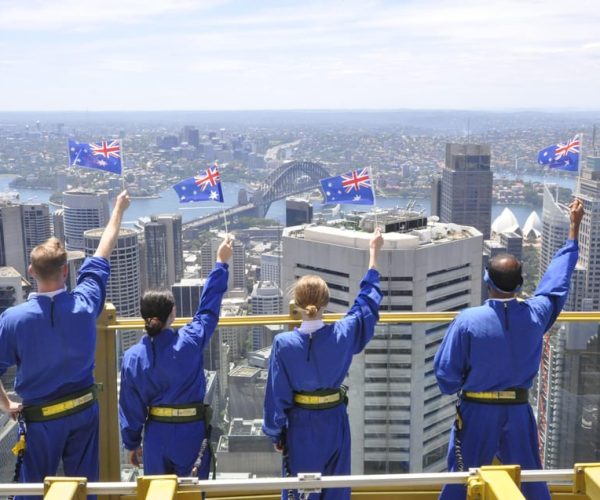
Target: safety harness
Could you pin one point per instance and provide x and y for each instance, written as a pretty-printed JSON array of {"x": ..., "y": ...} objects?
[
  {"x": 322, "y": 399},
  {"x": 62, "y": 407},
  {"x": 185, "y": 413},
  {"x": 513, "y": 396},
  {"x": 57, "y": 408}
]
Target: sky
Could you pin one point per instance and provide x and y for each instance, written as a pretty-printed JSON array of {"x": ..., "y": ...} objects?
[{"x": 276, "y": 54}]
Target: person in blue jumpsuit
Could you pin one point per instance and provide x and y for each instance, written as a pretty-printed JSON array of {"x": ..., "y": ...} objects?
[
  {"x": 52, "y": 339},
  {"x": 304, "y": 411},
  {"x": 163, "y": 383},
  {"x": 490, "y": 356}
]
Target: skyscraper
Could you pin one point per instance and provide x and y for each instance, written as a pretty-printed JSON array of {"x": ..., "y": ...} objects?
[
  {"x": 164, "y": 250},
  {"x": 399, "y": 420},
  {"x": 237, "y": 264},
  {"x": 123, "y": 288},
  {"x": 569, "y": 380},
  {"x": 187, "y": 293},
  {"x": 298, "y": 211},
  {"x": 270, "y": 267},
  {"x": 266, "y": 298},
  {"x": 22, "y": 227},
  {"x": 466, "y": 193},
  {"x": 83, "y": 210}
]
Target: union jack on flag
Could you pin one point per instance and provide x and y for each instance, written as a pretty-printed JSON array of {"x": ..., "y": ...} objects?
[
  {"x": 203, "y": 187},
  {"x": 353, "y": 187},
  {"x": 210, "y": 178},
  {"x": 561, "y": 156},
  {"x": 103, "y": 155}
]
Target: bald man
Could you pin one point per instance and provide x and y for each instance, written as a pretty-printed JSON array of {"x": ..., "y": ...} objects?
[{"x": 490, "y": 356}]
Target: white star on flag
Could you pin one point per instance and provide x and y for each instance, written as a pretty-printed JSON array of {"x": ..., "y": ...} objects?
[
  {"x": 329, "y": 184},
  {"x": 214, "y": 195},
  {"x": 183, "y": 188},
  {"x": 356, "y": 198},
  {"x": 183, "y": 198},
  {"x": 328, "y": 193}
]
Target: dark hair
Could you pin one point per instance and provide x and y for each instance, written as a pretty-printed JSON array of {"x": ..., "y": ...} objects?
[
  {"x": 505, "y": 271},
  {"x": 155, "y": 307}
]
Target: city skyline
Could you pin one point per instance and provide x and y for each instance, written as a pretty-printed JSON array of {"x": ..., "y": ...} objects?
[{"x": 230, "y": 55}]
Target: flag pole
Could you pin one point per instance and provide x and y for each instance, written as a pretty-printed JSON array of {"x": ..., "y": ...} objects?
[
  {"x": 225, "y": 220},
  {"x": 579, "y": 166},
  {"x": 374, "y": 198},
  {"x": 122, "y": 164}
]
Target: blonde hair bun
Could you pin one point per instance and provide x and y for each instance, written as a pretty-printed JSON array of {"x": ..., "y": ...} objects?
[{"x": 311, "y": 311}]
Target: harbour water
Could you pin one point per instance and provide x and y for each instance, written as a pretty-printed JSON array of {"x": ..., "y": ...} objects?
[{"x": 168, "y": 201}]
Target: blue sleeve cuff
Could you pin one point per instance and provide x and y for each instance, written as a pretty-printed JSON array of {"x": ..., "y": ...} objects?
[{"x": 372, "y": 276}]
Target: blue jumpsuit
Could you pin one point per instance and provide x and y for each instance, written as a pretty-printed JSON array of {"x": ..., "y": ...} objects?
[
  {"x": 494, "y": 347},
  {"x": 168, "y": 369},
  {"x": 318, "y": 440},
  {"x": 52, "y": 340}
]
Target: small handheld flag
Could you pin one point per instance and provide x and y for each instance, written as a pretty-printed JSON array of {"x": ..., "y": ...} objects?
[
  {"x": 561, "y": 156},
  {"x": 353, "y": 187},
  {"x": 203, "y": 187},
  {"x": 104, "y": 155}
]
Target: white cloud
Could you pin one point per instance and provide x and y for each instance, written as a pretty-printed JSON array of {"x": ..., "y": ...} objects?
[{"x": 200, "y": 54}]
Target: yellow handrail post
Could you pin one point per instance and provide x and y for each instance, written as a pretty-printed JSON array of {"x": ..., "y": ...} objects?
[
  {"x": 106, "y": 377},
  {"x": 496, "y": 483},
  {"x": 157, "y": 487},
  {"x": 65, "y": 488},
  {"x": 587, "y": 480}
]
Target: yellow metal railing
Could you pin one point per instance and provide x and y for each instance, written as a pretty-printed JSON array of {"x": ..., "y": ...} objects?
[
  {"x": 106, "y": 376},
  {"x": 486, "y": 483}
]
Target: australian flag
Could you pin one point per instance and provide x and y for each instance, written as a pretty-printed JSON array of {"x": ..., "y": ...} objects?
[
  {"x": 561, "y": 156},
  {"x": 353, "y": 187},
  {"x": 104, "y": 155},
  {"x": 206, "y": 186}
]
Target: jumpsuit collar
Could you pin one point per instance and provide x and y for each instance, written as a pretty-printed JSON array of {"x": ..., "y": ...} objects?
[
  {"x": 50, "y": 295},
  {"x": 311, "y": 325}
]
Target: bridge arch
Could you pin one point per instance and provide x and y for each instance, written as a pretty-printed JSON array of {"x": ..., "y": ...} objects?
[{"x": 291, "y": 178}]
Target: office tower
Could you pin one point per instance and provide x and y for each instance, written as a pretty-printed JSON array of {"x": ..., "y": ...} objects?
[
  {"x": 14, "y": 289},
  {"x": 270, "y": 267},
  {"x": 298, "y": 211},
  {"x": 466, "y": 194},
  {"x": 266, "y": 298},
  {"x": 513, "y": 243},
  {"x": 246, "y": 449},
  {"x": 155, "y": 238},
  {"x": 191, "y": 135},
  {"x": 22, "y": 227},
  {"x": 233, "y": 336},
  {"x": 399, "y": 420},
  {"x": 237, "y": 264},
  {"x": 569, "y": 381},
  {"x": 246, "y": 392},
  {"x": 124, "y": 283},
  {"x": 555, "y": 228},
  {"x": 74, "y": 260},
  {"x": 83, "y": 210},
  {"x": 436, "y": 195},
  {"x": 187, "y": 293},
  {"x": 164, "y": 250},
  {"x": 58, "y": 224}
]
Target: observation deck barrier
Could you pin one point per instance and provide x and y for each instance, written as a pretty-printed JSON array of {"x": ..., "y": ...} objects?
[{"x": 493, "y": 482}]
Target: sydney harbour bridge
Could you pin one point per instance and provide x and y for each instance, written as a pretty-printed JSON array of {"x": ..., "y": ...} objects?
[{"x": 289, "y": 179}]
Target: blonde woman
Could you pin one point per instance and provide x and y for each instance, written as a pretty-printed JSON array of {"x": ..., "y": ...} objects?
[{"x": 304, "y": 414}]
